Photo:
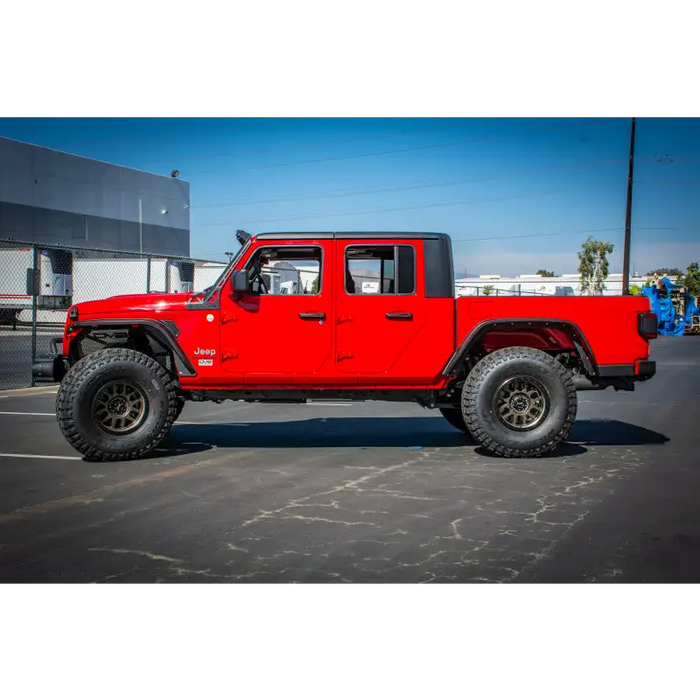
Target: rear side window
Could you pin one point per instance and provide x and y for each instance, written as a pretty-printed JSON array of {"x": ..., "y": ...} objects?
[{"x": 381, "y": 269}]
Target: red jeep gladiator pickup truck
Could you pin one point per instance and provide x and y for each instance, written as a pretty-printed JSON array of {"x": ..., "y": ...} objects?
[{"x": 355, "y": 316}]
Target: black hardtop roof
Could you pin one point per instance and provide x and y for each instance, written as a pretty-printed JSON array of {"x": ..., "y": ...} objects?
[{"x": 305, "y": 235}]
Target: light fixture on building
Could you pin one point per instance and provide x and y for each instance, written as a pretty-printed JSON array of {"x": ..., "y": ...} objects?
[{"x": 175, "y": 173}]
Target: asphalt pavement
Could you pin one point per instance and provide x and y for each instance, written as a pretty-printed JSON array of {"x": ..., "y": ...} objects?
[{"x": 366, "y": 492}]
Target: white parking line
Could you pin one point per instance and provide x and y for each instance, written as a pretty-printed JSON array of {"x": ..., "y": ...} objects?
[
  {"x": 33, "y": 391},
  {"x": 320, "y": 403},
  {"x": 4, "y": 454},
  {"x": 212, "y": 422},
  {"x": 19, "y": 413}
]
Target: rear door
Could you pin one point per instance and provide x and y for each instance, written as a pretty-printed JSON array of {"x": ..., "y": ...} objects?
[{"x": 380, "y": 304}]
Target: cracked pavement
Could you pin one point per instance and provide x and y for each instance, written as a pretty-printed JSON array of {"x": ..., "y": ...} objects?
[{"x": 373, "y": 492}]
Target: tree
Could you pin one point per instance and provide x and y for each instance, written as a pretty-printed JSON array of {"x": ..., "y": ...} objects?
[
  {"x": 593, "y": 266},
  {"x": 665, "y": 272},
  {"x": 545, "y": 273},
  {"x": 488, "y": 290},
  {"x": 635, "y": 289},
  {"x": 691, "y": 280}
]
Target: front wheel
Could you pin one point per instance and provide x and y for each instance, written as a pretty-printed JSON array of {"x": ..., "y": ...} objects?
[
  {"x": 519, "y": 402},
  {"x": 116, "y": 404},
  {"x": 180, "y": 407}
]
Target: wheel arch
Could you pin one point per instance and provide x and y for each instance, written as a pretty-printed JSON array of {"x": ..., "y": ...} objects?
[
  {"x": 164, "y": 332},
  {"x": 522, "y": 328}
]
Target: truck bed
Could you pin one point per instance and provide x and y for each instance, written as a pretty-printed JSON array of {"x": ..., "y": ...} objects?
[{"x": 609, "y": 324}]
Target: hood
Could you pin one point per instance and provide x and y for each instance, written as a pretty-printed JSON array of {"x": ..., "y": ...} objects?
[{"x": 127, "y": 305}]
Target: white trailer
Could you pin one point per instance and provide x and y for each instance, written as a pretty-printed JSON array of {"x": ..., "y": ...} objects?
[
  {"x": 67, "y": 278},
  {"x": 14, "y": 263}
]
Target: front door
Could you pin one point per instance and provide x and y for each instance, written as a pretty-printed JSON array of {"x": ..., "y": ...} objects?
[
  {"x": 380, "y": 307},
  {"x": 282, "y": 328}
]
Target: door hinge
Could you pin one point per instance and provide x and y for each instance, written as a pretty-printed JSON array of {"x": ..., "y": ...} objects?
[
  {"x": 345, "y": 356},
  {"x": 344, "y": 319},
  {"x": 228, "y": 318},
  {"x": 229, "y": 356}
]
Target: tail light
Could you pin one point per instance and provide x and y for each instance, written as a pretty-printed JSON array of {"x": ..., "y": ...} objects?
[{"x": 647, "y": 326}]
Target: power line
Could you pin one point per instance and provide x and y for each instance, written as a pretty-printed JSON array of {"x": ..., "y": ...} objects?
[
  {"x": 503, "y": 238},
  {"x": 425, "y": 184},
  {"x": 307, "y": 145},
  {"x": 403, "y": 208},
  {"x": 378, "y": 189},
  {"x": 562, "y": 233},
  {"x": 383, "y": 153},
  {"x": 667, "y": 182}
]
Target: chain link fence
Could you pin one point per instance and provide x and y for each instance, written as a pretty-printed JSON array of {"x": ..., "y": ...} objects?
[{"x": 38, "y": 285}]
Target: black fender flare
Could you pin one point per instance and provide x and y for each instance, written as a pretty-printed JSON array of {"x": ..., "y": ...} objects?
[
  {"x": 165, "y": 332},
  {"x": 481, "y": 329}
]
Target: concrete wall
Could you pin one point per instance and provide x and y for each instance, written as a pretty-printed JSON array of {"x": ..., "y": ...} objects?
[{"x": 49, "y": 197}]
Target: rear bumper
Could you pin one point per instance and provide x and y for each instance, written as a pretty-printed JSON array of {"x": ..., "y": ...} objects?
[
  {"x": 621, "y": 377},
  {"x": 640, "y": 371},
  {"x": 645, "y": 369},
  {"x": 50, "y": 368}
]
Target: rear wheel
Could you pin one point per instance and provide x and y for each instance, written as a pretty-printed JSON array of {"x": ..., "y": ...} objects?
[
  {"x": 519, "y": 402},
  {"x": 455, "y": 418},
  {"x": 116, "y": 404}
]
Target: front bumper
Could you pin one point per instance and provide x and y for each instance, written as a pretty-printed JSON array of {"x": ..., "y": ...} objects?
[{"x": 50, "y": 368}]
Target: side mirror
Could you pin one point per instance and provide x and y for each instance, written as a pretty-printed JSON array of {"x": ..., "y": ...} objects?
[{"x": 240, "y": 283}]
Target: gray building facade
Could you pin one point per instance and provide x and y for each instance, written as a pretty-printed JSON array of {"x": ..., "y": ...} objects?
[{"x": 52, "y": 198}]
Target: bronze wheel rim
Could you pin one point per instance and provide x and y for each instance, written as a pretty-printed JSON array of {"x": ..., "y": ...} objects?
[
  {"x": 521, "y": 403},
  {"x": 120, "y": 407}
]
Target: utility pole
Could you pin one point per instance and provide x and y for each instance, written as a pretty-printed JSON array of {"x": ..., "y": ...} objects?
[{"x": 628, "y": 218}]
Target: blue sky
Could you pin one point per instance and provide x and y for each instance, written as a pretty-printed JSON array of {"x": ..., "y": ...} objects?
[{"x": 514, "y": 194}]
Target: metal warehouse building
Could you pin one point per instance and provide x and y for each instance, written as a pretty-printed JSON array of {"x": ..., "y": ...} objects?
[
  {"x": 74, "y": 229},
  {"x": 52, "y": 198}
]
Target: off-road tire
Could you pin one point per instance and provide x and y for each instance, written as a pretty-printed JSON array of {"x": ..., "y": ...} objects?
[
  {"x": 180, "y": 406},
  {"x": 80, "y": 387},
  {"x": 455, "y": 418},
  {"x": 481, "y": 390}
]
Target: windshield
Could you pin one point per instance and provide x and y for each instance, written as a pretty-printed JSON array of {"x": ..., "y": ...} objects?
[{"x": 209, "y": 291}]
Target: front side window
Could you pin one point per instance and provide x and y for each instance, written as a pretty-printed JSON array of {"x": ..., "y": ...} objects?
[
  {"x": 286, "y": 270},
  {"x": 380, "y": 269}
]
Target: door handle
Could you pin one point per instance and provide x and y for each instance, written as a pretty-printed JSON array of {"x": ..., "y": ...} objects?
[
  {"x": 312, "y": 316},
  {"x": 399, "y": 316}
]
